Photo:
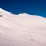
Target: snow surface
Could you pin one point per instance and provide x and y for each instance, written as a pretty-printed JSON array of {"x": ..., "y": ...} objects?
[{"x": 22, "y": 29}]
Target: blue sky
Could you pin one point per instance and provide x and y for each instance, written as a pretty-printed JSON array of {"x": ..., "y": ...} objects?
[{"x": 34, "y": 7}]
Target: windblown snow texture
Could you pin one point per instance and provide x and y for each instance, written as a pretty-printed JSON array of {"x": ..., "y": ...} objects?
[{"x": 22, "y": 29}]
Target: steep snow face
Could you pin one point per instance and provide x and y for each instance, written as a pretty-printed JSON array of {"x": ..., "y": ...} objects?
[
  {"x": 4, "y": 20},
  {"x": 5, "y": 23},
  {"x": 22, "y": 29}
]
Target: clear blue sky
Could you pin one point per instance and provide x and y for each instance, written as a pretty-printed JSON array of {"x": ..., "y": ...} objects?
[{"x": 34, "y": 7}]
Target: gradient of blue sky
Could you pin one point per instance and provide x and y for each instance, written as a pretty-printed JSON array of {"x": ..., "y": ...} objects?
[{"x": 35, "y": 7}]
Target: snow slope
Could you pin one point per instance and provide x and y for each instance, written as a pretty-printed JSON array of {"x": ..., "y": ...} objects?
[{"x": 22, "y": 29}]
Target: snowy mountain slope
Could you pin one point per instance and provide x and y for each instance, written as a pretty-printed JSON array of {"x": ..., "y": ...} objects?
[{"x": 22, "y": 29}]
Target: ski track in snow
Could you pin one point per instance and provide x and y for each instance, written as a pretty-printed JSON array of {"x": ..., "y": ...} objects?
[{"x": 22, "y": 29}]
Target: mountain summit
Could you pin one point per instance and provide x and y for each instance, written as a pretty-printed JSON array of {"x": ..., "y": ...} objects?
[
  {"x": 22, "y": 29},
  {"x": 23, "y": 19}
]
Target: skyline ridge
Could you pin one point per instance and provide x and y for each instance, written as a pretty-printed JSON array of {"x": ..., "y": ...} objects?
[{"x": 2, "y": 10}]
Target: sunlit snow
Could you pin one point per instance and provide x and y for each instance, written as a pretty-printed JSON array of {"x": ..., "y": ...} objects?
[{"x": 22, "y": 29}]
